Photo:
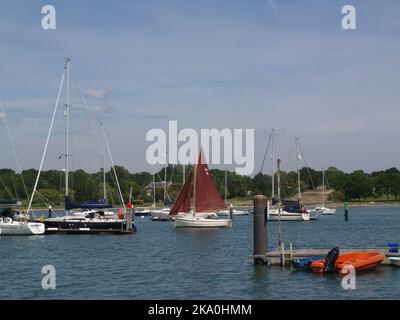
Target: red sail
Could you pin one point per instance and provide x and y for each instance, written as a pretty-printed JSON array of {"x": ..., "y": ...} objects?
[
  {"x": 182, "y": 203},
  {"x": 207, "y": 198}
]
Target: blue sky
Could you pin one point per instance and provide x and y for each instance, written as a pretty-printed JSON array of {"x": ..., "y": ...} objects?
[{"x": 222, "y": 63}]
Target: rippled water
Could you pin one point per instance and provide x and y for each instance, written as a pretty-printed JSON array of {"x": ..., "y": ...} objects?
[{"x": 162, "y": 262}]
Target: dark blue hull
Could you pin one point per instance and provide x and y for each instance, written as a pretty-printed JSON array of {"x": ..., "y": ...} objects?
[{"x": 305, "y": 263}]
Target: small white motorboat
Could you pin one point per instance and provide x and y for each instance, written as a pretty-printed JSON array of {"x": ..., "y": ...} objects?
[{"x": 395, "y": 261}]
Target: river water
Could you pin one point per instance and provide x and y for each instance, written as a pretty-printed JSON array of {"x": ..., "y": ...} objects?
[{"x": 162, "y": 262}]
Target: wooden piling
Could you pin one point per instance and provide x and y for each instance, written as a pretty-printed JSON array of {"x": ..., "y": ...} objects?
[
  {"x": 260, "y": 226},
  {"x": 129, "y": 217}
]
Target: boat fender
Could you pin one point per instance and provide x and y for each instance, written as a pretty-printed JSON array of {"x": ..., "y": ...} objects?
[
  {"x": 330, "y": 260},
  {"x": 120, "y": 214}
]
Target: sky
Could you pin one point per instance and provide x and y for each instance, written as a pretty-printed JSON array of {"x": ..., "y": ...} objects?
[{"x": 207, "y": 64}]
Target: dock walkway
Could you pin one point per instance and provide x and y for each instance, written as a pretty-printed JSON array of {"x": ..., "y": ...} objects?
[{"x": 277, "y": 257}]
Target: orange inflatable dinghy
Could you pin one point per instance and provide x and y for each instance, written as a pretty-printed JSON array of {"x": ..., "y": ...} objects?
[{"x": 359, "y": 260}]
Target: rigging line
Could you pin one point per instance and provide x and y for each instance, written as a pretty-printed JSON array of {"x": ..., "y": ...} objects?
[
  {"x": 164, "y": 184},
  {"x": 85, "y": 107},
  {"x": 266, "y": 151},
  {"x": 13, "y": 147},
  {"x": 89, "y": 119},
  {"x": 265, "y": 157},
  {"x": 89, "y": 182},
  {"x": 5, "y": 188},
  {"x": 115, "y": 173},
  {"x": 44, "y": 198},
  {"x": 308, "y": 169},
  {"x": 47, "y": 141},
  {"x": 172, "y": 173},
  {"x": 329, "y": 187}
]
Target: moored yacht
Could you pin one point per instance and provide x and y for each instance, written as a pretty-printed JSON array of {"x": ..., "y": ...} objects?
[
  {"x": 93, "y": 218},
  {"x": 10, "y": 226}
]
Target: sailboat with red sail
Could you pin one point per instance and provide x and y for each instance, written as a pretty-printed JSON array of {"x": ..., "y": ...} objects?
[{"x": 206, "y": 200}]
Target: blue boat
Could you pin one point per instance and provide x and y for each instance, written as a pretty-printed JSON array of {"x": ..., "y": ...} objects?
[{"x": 305, "y": 263}]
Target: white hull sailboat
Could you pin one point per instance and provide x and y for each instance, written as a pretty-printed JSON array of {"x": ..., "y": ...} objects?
[
  {"x": 9, "y": 227},
  {"x": 207, "y": 200},
  {"x": 325, "y": 211},
  {"x": 205, "y": 220},
  {"x": 9, "y": 223},
  {"x": 273, "y": 215},
  {"x": 227, "y": 212},
  {"x": 322, "y": 209},
  {"x": 295, "y": 210}
]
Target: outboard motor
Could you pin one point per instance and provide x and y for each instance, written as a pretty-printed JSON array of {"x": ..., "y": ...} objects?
[{"x": 330, "y": 260}]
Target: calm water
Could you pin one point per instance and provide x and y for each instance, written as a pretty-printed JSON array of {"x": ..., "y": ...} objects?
[{"x": 162, "y": 262}]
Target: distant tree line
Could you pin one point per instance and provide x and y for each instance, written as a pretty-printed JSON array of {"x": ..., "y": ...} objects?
[{"x": 355, "y": 186}]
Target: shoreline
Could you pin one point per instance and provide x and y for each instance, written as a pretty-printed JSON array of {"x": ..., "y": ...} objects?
[{"x": 249, "y": 203}]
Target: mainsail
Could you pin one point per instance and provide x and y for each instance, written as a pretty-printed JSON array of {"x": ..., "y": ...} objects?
[{"x": 207, "y": 198}]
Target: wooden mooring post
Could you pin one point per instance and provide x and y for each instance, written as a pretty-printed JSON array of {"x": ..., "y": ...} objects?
[
  {"x": 260, "y": 230},
  {"x": 129, "y": 218}
]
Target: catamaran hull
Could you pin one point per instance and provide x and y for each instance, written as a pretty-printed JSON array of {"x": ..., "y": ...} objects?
[
  {"x": 200, "y": 222},
  {"x": 17, "y": 228}
]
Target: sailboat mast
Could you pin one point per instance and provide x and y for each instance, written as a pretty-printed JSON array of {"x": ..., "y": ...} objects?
[
  {"x": 226, "y": 184},
  {"x": 323, "y": 188},
  {"x": 165, "y": 179},
  {"x": 273, "y": 163},
  {"x": 66, "y": 115},
  {"x": 298, "y": 168},
  {"x": 279, "y": 205},
  {"x": 154, "y": 191},
  {"x": 104, "y": 162},
  {"x": 194, "y": 189}
]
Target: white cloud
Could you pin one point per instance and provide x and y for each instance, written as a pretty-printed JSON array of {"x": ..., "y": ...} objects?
[{"x": 93, "y": 93}]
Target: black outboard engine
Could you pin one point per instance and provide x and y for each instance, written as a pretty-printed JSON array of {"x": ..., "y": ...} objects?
[{"x": 330, "y": 260}]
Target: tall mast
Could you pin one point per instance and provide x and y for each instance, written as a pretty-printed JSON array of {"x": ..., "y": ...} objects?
[
  {"x": 226, "y": 184},
  {"x": 298, "y": 167},
  {"x": 273, "y": 163},
  {"x": 154, "y": 191},
  {"x": 323, "y": 188},
  {"x": 279, "y": 205},
  {"x": 194, "y": 189},
  {"x": 165, "y": 178},
  {"x": 130, "y": 195},
  {"x": 104, "y": 162},
  {"x": 66, "y": 115}
]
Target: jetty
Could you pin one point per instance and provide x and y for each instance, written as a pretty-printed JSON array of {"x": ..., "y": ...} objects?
[{"x": 282, "y": 255}]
